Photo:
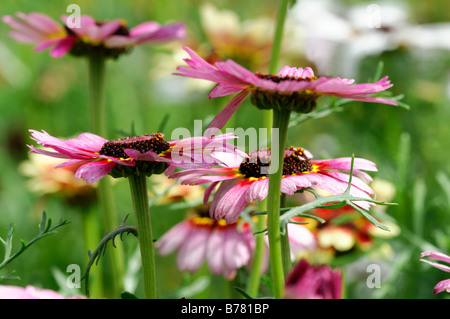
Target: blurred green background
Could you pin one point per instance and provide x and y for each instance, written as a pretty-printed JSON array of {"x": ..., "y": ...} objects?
[{"x": 410, "y": 147}]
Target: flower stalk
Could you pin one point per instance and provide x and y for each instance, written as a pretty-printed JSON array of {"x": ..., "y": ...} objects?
[
  {"x": 280, "y": 119},
  {"x": 138, "y": 187},
  {"x": 258, "y": 257},
  {"x": 255, "y": 275},
  {"x": 280, "y": 122},
  {"x": 285, "y": 247},
  {"x": 97, "y": 110}
]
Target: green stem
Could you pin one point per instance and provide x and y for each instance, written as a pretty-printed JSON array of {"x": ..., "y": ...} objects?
[
  {"x": 258, "y": 257},
  {"x": 281, "y": 122},
  {"x": 97, "y": 109},
  {"x": 138, "y": 187},
  {"x": 97, "y": 94},
  {"x": 275, "y": 51},
  {"x": 285, "y": 248},
  {"x": 278, "y": 37},
  {"x": 255, "y": 275}
]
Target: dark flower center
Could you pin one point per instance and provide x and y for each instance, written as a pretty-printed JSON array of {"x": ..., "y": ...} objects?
[
  {"x": 299, "y": 101},
  {"x": 257, "y": 164},
  {"x": 278, "y": 78},
  {"x": 122, "y": 30},
  {"x": 154, "y": 142},
  {"x": 82, "y": 48}
]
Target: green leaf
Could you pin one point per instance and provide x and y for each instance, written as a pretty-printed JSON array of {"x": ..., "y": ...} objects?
[
  {"x": 45, "y": 229},
  {"x": 243, "y": 293},
  {"x": 94, "y": 257}
]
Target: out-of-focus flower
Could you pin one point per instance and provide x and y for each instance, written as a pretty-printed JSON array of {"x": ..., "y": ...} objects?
[
  {"x": 246, "y": 181},
  {"x": 45, "y": 179},
  {"x": 313, "y": 282},
  {"x": 30, "y": 292},
  {"x": 110, "y": 38},
  {"x": 294, "y": 89},
  {"x": 344, "y": 230},
  {"x": 248, "y": 42},
  {"x": 97, "y": 157},
  {"x": 443, "y": 285},
  {"x": 338, "y": 36},
  {"x": 173, "y": 192},
  {"x": 41, "y": 30},
  {"x": 114, "y": 37},
  {"x": 302, "y": 241},
  {"x": 224, "y": 247}
]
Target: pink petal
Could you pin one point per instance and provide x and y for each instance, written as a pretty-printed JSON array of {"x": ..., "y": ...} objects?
[
  {"x": 236, "y": 252},
  {"x": 41, "y": 22},
  {"x": 108, "y": 29},
  {"x": 174, "y": 238},
  {"x": 232, "y": 203},
  {"x": 443, "y": 285},
  {"x": 215, "y": 251},
  {"x": 87, "y": 141},
  {"x": 208, "y": 192},
  {"x": 224, "y": 187},
  {"x": 223, "y": 90},
  {"x": 146, "y": 27},
  {"x": 191, "y": 254},
  {"x": 94, "y": 171},
  {"x": 119, "y": 41},
  {"x": 258, "y": 190},
  {"x": 227, "y": 112},
  {"x": 436, "y": 256},
  {"x": 63, "y": 47}
]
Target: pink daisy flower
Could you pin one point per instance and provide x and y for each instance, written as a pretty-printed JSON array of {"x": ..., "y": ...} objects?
[
  {"x": 224, "y": 247},
  {"x": 41, "y": 30},
  {"x": 313, "y": 282},
  {"x": 443, "y": 285},
  {"x": 97, "y": 157},
  {"x": 110, "y": 38},
  {"x": 114, "y": 37},
  {"x": 245, "y": 181},
  {"x": 295, "y": 89}
]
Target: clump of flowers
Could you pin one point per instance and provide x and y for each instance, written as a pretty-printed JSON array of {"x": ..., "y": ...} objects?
[{"x": 245, "y": 181}]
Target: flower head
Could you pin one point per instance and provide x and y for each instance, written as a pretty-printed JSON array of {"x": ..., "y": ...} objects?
[
  {"x": 98, "y": 157},
  {"x": 245, "y": 181},
  {"x": 112, "y": 38},
  {"x": 225, "y": 247},
  {"x": 295, "y": 89},
  {"x": 89, "y": 36},
  {"x": 313, "y": 282},
  {"x": 443, "y": 285}
]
